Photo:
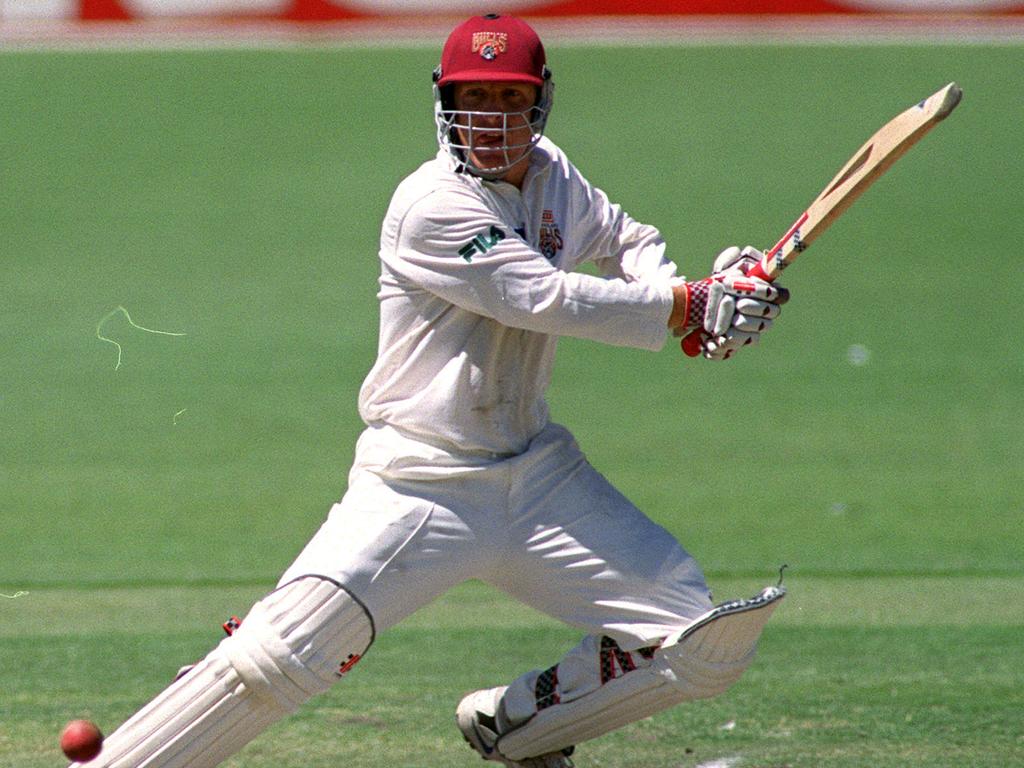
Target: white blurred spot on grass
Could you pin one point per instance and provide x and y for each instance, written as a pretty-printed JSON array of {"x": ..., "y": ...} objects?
[
  {"x": 722, "y": 762},
  {"x": 858, "y": 354}
]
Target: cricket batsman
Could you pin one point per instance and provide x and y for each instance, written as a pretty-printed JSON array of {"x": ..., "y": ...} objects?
[{"x": 460, "y": 474}]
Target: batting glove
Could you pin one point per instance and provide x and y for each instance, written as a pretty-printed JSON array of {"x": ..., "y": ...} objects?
[{"x": 730, "y": 310}]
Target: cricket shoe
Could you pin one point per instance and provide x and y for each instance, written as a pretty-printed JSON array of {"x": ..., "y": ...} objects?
[{"x": 481, "y": 722}]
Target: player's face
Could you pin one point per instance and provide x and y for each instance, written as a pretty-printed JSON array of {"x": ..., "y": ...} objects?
[{"x": 498, "y": 131}]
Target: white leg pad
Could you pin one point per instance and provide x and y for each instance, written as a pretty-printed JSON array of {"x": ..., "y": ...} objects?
[
  {"x": 700, "y": 661},
  {"x": 293, "y": 644}
]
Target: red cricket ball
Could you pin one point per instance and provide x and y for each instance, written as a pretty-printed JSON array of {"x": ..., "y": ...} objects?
[{"x": 81, "y": 740}]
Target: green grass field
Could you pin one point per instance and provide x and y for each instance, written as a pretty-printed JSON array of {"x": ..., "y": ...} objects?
[{"x": 236, "y": 197}]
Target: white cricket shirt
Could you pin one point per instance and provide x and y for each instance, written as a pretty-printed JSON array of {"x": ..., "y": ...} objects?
[{"x": 476, "y": 286}]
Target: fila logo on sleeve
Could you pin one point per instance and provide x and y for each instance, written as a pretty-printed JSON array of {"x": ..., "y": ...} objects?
[{"x": 482, "y": 243}]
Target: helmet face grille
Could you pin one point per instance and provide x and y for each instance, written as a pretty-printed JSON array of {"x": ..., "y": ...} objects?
[{"x": 469, "y": 136}]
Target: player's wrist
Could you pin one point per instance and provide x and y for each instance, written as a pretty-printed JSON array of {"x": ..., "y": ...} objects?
[{"x": 680, "y": 306}]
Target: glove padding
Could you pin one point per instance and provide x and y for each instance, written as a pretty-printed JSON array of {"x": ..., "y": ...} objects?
[
  {"x": 733, "y": 258},
  {"x": 729, "y": 309}
]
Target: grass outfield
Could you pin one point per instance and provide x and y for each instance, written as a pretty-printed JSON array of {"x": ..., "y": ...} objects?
[
  {"x": 852, "y": 672},
  {"x": 236, "y": 197}
]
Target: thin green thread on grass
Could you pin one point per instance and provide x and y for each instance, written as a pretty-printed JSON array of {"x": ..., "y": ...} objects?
[{"x": 133, "y": 324}]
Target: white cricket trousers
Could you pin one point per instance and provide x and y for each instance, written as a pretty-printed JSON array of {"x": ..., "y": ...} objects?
[{"x": 543, "y": 526}]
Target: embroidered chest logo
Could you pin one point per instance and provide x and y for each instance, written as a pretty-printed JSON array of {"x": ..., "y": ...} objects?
[
  {"x": 490, "y": 44},
  {"x": 482, "y": 243},
  {"x": 550, "y": 237}
]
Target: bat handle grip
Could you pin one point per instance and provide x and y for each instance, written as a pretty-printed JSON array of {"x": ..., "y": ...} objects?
[
  {"x": 693, "y": 341},
  {"x": 758, "y": 270}
]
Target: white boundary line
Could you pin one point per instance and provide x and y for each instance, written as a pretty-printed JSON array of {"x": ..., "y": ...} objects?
[{"x": 430, "y": 32}]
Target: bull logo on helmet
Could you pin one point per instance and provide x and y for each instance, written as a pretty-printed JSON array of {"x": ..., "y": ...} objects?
[{"x": 490, "y": 44}]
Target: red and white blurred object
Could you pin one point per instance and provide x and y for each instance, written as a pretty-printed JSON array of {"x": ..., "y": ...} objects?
[
  {"x": 340, "y": 10},
  {"x": 92, "y": 24}
]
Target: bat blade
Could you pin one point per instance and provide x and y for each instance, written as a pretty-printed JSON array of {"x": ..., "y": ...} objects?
[{"x": 875, "y": 157}]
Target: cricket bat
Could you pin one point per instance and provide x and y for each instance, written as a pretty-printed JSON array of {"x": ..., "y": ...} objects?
[{"x": 868, "y": 163}]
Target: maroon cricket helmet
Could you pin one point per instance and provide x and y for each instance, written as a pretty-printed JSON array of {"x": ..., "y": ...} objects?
[{"x": 494, "y": 48}]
